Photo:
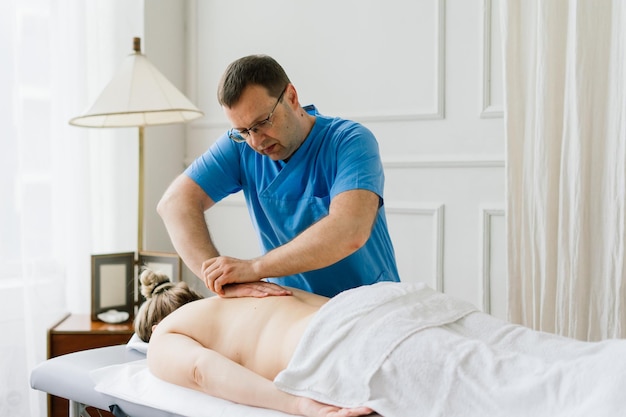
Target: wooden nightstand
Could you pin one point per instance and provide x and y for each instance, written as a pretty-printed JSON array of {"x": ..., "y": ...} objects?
[{"x": 78, "y": 332}]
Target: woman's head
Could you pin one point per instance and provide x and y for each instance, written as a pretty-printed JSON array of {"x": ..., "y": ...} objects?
[{"x": 162, "y": 297}]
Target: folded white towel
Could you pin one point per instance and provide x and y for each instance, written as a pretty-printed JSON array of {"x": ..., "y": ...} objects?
[{"x": 135, "y": 343}]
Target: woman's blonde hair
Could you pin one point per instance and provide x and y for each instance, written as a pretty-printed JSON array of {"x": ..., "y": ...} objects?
[{"x": 162, "y": 297}]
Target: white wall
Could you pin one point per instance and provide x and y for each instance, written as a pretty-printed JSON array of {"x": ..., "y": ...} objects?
[
  {"x": 165, "y": 39},
  {"x": 425, "y": 76}
]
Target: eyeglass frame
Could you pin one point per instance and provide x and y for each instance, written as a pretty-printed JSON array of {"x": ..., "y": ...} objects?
[{"x": 241, "y": 136}]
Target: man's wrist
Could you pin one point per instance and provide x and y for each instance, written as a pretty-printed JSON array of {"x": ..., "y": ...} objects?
[{"x": 257, "y": 265}]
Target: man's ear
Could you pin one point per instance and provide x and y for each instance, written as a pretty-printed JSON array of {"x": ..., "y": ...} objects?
[{"x": 292, "y": 96}]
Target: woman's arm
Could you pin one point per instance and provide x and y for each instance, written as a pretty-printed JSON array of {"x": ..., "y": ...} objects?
[{"x": 181, "y": 360}]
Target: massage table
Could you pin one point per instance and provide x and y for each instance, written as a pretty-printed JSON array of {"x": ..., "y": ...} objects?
[{"x": 67, "y": 376}]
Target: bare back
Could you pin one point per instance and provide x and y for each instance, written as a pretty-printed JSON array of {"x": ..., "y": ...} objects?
[{"x": 258, "y": 333}]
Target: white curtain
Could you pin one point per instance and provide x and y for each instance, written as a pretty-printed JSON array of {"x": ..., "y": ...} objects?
[
  {"x": 45, "y": 219},
  {"x": 64, "y": 191},
  {"x": 565, "y": 100}
]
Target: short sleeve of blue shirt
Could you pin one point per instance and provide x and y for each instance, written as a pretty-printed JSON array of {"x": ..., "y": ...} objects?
[
  {"x": 284, "y": 199},
  {"x": 217, "y": 171}
]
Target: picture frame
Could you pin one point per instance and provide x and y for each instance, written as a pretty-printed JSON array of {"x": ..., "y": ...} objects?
[
  {"x": 112, "y": 283},
  {"x": 165, "y": 262}
]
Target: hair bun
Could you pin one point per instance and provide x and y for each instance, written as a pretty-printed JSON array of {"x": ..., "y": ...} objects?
[{"x": 152, "y": 281}]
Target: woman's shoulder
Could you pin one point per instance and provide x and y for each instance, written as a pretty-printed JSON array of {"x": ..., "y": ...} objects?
[{"x": 188, "y": 315}]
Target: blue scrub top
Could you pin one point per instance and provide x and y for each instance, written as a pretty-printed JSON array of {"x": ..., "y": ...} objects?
[{"x": 284, "y": 199}]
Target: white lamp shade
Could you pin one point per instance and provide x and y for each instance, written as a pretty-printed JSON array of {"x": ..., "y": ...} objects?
[{"x": 138, "y": 95}]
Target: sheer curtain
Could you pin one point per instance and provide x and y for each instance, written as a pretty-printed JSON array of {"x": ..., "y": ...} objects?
[
  {"x": 45, "y": 216},
  {"x": 61, "y": 188},
  {"x": 565, "y": 88}
]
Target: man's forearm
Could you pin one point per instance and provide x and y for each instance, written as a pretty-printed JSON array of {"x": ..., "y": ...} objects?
[
  {"x": 182, "y": 209},
  {"x": 336, "y": 236},
  {"x": 319, "y": 246},
  {"x": 192, "y": 241}
]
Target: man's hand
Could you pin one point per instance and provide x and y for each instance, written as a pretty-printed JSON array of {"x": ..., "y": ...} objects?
[
  {"x": 223, "y": 270},
  {"x": 257, "y": 289}
]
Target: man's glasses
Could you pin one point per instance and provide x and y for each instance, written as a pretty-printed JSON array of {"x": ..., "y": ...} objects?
[{"x": 244, "y": 134}]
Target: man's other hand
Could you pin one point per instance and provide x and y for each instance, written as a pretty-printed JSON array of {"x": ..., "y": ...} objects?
[{"x": 257, "y": 289}]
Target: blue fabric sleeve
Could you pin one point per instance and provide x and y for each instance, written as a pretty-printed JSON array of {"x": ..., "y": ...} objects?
[
  {"x": 358, "y": 162},
  {"x": 218, "y": 171}
]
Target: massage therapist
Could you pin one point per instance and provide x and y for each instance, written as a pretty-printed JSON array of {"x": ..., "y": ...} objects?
[{"x": 313, "y": 186}]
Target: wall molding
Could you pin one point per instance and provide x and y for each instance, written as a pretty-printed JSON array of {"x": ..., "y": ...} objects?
[
  {"x": 191, "y": 35},
  {"x": 487, "y": 214},
  {"x": 436, "y": 211},
  {"x": 488, "y": 109},
  {"x": 439, "y": 106},
  {"x": 437, "y": 161},
  {"x": 439, "y": 112}
]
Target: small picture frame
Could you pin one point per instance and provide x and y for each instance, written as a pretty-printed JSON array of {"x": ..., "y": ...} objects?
[
  {"x": 112, "y": 283},
  {"x": 167, "y": 263}
]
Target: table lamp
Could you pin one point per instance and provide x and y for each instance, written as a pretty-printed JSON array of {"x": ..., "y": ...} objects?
[{"x": 138, "y": 95}]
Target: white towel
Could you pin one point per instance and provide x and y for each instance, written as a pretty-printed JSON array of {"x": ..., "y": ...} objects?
[
  {"x": 359, "y": 352},
  {"x": 135, "y": 343},
  {"x": 350, "y": 337}
]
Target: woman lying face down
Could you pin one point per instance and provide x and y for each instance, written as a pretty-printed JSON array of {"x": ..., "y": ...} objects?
[
  {"x": 231, "y": 348},
  {"x": 398, "y": 348}
]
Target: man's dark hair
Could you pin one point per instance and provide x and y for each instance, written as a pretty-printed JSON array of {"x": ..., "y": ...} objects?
[{"x": 251, "y": 70}]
